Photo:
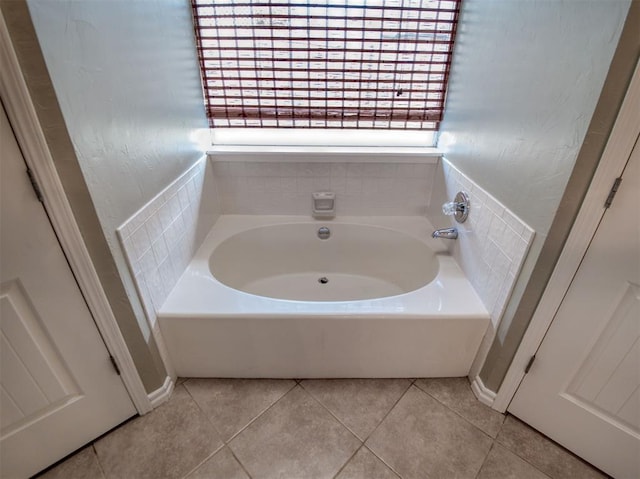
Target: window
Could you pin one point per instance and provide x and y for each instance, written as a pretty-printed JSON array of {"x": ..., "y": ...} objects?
[{"x": 374, "y": 65}]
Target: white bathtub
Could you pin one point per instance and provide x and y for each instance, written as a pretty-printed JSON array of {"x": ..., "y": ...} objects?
[{"x": 265, "y": 297}]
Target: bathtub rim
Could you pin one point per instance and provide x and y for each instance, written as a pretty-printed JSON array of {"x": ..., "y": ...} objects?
[{"x": 192, "y": 296}]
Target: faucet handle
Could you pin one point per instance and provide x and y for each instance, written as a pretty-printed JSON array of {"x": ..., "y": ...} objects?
[
  {"x": 450, "y": 208},
  {"x": 458, "y": 208}
]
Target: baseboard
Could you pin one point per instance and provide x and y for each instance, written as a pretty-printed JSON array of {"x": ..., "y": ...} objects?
[
  {"x": 484, "y": 395},
  {"x": 162, "y": 394}
]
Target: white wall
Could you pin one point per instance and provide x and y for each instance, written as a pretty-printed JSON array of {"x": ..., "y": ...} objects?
[
  {"x": 127, "y": 80},
  {"x": 524, "y": 83}
]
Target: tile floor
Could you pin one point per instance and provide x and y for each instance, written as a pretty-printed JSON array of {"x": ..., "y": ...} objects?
[{"x": 343, "y": 429}]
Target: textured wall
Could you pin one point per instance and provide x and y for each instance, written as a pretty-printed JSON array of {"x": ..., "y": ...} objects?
[
  {"x": 524, "y": 85},
  {"x": 143, "y": 350},
  {"x": 620, "y": 73},
  {"x": 127, "y": 81}
]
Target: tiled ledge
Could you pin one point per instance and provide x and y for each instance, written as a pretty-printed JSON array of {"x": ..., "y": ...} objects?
[{"x": 493, "y": 243}]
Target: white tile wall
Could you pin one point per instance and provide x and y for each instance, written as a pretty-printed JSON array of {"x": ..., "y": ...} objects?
[
  {"x": 259, "y": 188},
  {"x": 492, "y": 243},
  {"x": 160, "y": 239}
]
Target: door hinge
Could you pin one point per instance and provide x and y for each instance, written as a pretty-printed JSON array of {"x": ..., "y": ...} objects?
[
  {"x": 115, "y": 365},
  {"x": 527, "y": 368},
  {"x": 35, "y": 186},
  {"x": 612, "y": 193}
]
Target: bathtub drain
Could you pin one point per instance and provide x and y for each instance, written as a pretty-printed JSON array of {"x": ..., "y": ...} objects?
[{"x": 323, "y": 280}]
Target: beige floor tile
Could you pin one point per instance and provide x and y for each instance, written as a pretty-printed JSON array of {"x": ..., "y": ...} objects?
[
  {"x": 168, "y": 442},
  {"x": 502, "y": 463},
  {"x": 365, "y": 465},
  {"x": 231, "y": 404},
  {"x": 360, "y": 404},
  {"x": 546, "y": 455},
  {"x": 221, "y": 465},
  {"x": 82, "y": 465},
  {"x": 422, "y": 438},
  {"x": 456, "y": 394},
  {"x": 296, "y": 438}
]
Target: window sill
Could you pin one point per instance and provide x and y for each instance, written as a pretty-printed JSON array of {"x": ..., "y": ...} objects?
[{"x": 356, "y": 154}]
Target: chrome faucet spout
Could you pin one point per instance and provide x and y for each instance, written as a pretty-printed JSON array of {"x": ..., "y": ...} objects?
[{"x": 446, "y": 233}]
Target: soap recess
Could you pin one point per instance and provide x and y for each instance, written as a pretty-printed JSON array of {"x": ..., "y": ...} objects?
[{"x": 324, "y": 204}]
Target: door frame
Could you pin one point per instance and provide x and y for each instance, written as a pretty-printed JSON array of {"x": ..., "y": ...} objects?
[
  {"x": 614, "y": 158},
  {"x": 24, "y": 121}
]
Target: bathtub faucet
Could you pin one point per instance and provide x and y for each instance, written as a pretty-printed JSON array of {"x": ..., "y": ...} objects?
[{"x": 447, "y": 233}]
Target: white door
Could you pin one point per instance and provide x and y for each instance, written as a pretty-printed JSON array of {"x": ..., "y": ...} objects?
[
  {"x": 59, "y": 389},
  {"x": 583, "y": 390}
]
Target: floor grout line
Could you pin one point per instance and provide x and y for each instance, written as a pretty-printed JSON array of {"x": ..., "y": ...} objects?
[
  {"x": 380, "y": 423},
  {"x": 348, "y": 461},
  {"x": 182, "y": 384},
  {"x": 330, "y": 412},
  {"x": 389, "y": 412},
  {"x": 524, "y": 459},
  {"x": 244, "y": 468},
  {"x": 95, "y": 452},
  {"x": 392, "y": 469},
  {"x": 493, "y": 443},
  {"x": 460, "y": 415},
  {"x": 515, "y": 453},
  {"x": 342, "y": 423},
  {"x": 441, "y": 403},
  {"x": 203, "y": 412},
  {"x": 191, "y": 471},
  {"x": 225, "y": 443},
  {"x": 259, "y": 415}
]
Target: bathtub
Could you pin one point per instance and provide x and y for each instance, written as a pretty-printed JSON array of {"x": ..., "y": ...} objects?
[{"x": 266, "y": 297}]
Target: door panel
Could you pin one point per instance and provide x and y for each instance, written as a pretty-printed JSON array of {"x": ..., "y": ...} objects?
[
  {"x": 34, "y": 376},
  {"x": 584, "y": 387},
  {"x": 58, "y": 388}
]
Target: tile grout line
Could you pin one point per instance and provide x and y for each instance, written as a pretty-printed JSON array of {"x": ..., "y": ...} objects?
[
  {"x": 91, "y": 444},
  {"x": 348, "y": 461},
  {"x": 203, "y": 412},
  {"x": 515, "y": 453},
  {"x": 330, "y": 412},
  {"x": 192, "y": 470},
  {"x": 411, "y": 383},
  {"x": 378, "y": 426},
  {"x": 95, "y": 452},
  {"x": 258, "y": 416},
  {"x": 389, "y": 411},
  {"x": 397, "y": 473},
  {"x": 493, "y": 443},
  {"x": 493, "y": 440},
  {"x": 504, "y": 446},
  {"x": 340, "y": 421},
  {"x": 224, "y": 442},
  {"x": 216, "y": 451},
  {"x": 242, "y": 466},
  {"x": 461, "y": 416},
  {"x": 298, "y": 384}
]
